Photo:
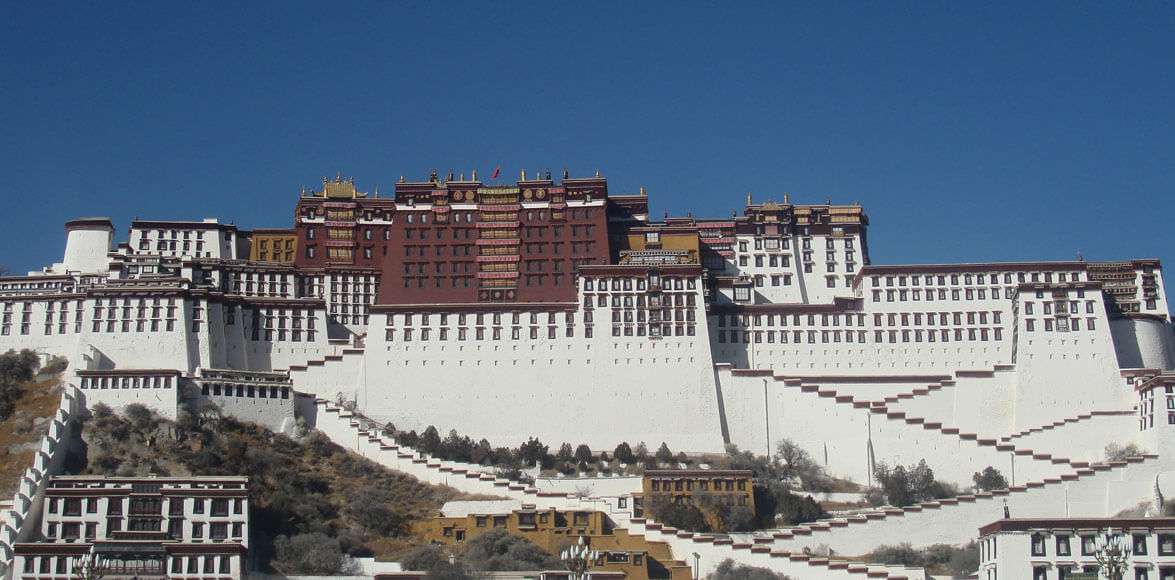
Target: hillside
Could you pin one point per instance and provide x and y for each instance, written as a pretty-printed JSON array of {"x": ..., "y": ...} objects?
[
  {"x": 299, "y": 486},
  {"x": 26, "y": 418}
]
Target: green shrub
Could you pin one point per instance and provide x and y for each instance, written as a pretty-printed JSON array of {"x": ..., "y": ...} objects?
[
  {"x": 990, "y": 479},
  {"x": 728, "y": 570},
  {"x": 310, "y": 554},
  {"x": 16, "y": 369},
  {"x": 905, "y": 486}
]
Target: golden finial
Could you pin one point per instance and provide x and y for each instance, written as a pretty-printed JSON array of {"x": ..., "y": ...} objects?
[
  {"x": 598, "y": 173},
  {"x": 643, "y": 192},
  {"x": 402, "y": 180},
  {"x": 748, "y": 198},
  {"x": 786, "y": 198},
  {"x": 522, "y": 175},
  {"x": 474, "y": 178}
]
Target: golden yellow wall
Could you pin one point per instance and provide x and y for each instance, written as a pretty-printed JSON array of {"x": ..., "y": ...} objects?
[
  {"x": 280, "y": 248},
  {"x": 553, "y": 533}
]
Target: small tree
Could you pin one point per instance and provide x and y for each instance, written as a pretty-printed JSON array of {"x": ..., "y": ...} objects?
[
  {"x": 499, "y": 550},
  {"x": 430, "y": 440},
  {"x": 623, "y": 453},
  {"x": 664, "y": 455},
  {"x": 642, "y": 451},
  {"x": 565, "y": 453},
  {"x": 389, "y": 430},
  {"x": 905, "y": 486},
  {"x": 990, "y": 479},
  {"x": 1117, "y": 452},
  {"x": 796, "y": 463},
  {"x": 532, "y": 452},
  {"x": 729, "y": 570},
  {"x": 583, "y": 454},
  {"x": 680, "y": 515},
  {"x": 310, "y": 554}
]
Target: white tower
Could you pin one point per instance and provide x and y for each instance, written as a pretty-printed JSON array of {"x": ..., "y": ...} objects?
[{"x": 87, "y": 243}]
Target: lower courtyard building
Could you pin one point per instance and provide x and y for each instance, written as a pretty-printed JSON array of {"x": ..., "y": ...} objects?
[
  {"x": 1056, "y": 549},
  {"x": 130, "y": 527},
  {"x": 625, "y": 555}
]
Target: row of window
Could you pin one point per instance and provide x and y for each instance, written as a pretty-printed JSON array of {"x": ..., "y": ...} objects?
[
  {"x": 765, "y": 243},
  {"x": 1063, "y": 324},
  {"x": 145, "y": 505},
  {"x": 247, "y": 391},
  {"x": 879, "y": 319},
  {"x": 1166, "y": 544},
  {"x": 917, "y": 295},
  {"x": 639, "y": 284},
  {"x": 1062, "y": 306},
  {"x": 479, "y": 333},
  {"x": 640, "y": 300},
  {"x": 973, "y": 279},
  {"x": 653, "y": 330},
  {"x": 479, "y": 318},
  {"x": 137, "y": 382},
  {"x": 701, "y": 484},
  {"x": 879, "y": 336},
  {"x": 64, "y": 565}
]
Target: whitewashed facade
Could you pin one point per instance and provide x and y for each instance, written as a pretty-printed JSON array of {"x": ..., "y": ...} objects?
[{"x": 1029, "y": 367}]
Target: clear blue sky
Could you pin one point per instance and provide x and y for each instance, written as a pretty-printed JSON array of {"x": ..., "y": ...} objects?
[{"x": 1012, "y": 132}]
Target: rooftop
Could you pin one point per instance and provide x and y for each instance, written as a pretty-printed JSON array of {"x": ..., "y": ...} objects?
[{"x": 1032, "y": 524}]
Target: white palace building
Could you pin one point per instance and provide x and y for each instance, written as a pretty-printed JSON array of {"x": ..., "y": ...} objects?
[{"x": 550, "y": 308}]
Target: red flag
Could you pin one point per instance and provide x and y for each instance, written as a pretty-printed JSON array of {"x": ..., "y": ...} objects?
[{"x": 496, "y": 173}]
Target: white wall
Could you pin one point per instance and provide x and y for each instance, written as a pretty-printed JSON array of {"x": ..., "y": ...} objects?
[{"x": 841, "y": 432}]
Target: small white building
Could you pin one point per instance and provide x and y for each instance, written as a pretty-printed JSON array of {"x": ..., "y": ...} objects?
[{"x": 1055, "y": 549}]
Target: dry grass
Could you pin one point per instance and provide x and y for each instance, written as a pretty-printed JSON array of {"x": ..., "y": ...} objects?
[
  {"x": 19, "y": 436},
  {"x": 297, "y": 485}
]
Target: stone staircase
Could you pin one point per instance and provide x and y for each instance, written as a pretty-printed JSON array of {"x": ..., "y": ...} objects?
[
  {"x": 883, "y": 408},
  {"x": 334, "y": 373},
  {"x": 934, "y": 402},
  {"x": 354, "y": 432},
  {"x": 1082, "y": 418},
  {"x": 910, "y": 436},
  {"x": 957, "y": 520},
  {"x": 714, "y": 548}
]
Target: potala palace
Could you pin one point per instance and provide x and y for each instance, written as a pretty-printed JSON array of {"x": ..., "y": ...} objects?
[{"x": 555, "y": 309}]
